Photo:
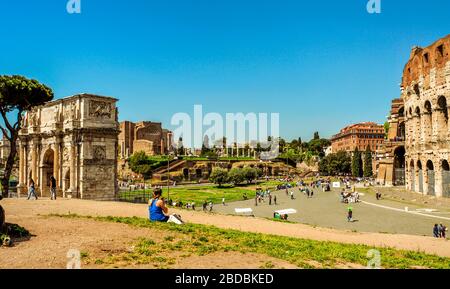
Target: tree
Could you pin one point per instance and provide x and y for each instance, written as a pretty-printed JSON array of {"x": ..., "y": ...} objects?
[
  {"x": 17, "y": 95},
  {"x": 219, "y": 176},
  {"x": 357, "y": 167},
  {"x": 140, "y": 164},
  {"x": 387, "y": 126},
  {"x": 236, "y": 176},
  {"x": 250, "y": 174},
  {"x": 336, "y": 164},
  {"x": 368, "y": 171}
]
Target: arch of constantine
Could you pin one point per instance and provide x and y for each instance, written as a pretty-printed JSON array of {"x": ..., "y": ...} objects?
[
  {"x": 424, "y": 116},
  {"x": 74, "y": 139}
]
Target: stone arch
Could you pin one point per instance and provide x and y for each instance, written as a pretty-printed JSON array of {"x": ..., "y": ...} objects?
[
  {"x": 420, "y": 175},
  {"x": 401, "y": 131},
  {"x": 46, "y": 167},
  {"x": 399, "y": 166},
  {"x": 442, "y": 117},
  {"x": 198, "y": 173},
  {"x": 66, "y": 180},
  {"x": 445, "y": 179},
  {"x": 401, "y": 112},
  {"x": 417, "y": 90},
  {"x": 427, "y": 122},
  {"x": 186, "y": 173},
  {"x": 431, "y": 178}
]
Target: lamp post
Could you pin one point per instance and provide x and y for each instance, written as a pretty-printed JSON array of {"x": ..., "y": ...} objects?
[{"x": 168, "y": 178}]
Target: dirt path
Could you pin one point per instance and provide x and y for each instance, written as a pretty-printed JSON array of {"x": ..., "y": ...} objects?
[{"x": 18, "y": 209}]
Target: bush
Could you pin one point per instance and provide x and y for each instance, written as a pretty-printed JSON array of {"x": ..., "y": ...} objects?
[
  {"x": 219, "y": 176},
  {"x": 236, "y": 176},
  {"x": 250, "y": 174}
]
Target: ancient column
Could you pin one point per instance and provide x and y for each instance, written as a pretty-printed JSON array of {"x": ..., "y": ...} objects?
[
  {"x": 438, "y": 179},
  {"x": 72, "y": 161},
  {"x": 21, "y": 164},
  {"x": 435, "y": 126},
  {"x": 425, "y": 177},
  {"x": 34, "y": 162},
  {"x": 56, "y": 164}
]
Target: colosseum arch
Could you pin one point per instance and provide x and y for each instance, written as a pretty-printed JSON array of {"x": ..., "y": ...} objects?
[
  {"x": 417, "y": 125},
  {"x": 399, "y": 166},
  {"x": 420, "y": 174},
  {"x": 417, "y": 90},
  {"x": 445, "y": 179},
  {"x": 427, "y": 121},
  {"x": 431, "y": 178},
  {"x": 442, "y": 116}
]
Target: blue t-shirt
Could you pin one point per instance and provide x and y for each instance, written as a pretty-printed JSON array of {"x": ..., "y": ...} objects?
[{"x": 156, "y": 213}]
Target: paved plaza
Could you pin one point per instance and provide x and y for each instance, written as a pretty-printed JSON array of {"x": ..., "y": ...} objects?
[{"x": 325, "y": 210}]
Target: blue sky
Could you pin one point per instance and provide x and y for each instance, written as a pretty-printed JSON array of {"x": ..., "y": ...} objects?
[{"x": 320, "y": 64}]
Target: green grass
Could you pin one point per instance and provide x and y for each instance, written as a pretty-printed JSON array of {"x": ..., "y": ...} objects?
[
  {"x": 199, "y": 194},
  {"x": 203, "y": 240}
]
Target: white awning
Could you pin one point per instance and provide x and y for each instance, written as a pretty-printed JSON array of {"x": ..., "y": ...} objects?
[{"x": 243, "y": 211}]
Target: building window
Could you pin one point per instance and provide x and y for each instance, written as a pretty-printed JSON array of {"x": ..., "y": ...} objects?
[
  {"x": 440, "y": 50},
  {"x": 426, "y": 58}
]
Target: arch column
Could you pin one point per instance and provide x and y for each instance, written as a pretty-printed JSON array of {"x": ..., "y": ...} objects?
[
  {"x": 57, "y": 164},
  {"x": 21, "y": 164},
  {"x": 438, "y": 120},
  {"x": 438, "y": 179},
  {"x": 426, "y": 127},
  {"x": 417, "y": 129},
  {"x": 448, "y": 124},
  {"x": 72, "y": 162},
  {"x": 34, "y": 164},
  {"x": 425, "y": 177}
]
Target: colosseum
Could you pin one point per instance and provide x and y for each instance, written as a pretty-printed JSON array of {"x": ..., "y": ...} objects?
[{"x": 426, "y": 93}]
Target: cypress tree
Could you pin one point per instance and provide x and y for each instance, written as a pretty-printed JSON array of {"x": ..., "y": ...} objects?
[
  {"x": 357, "y": 169},
  {"x": 368, "y": 171}
]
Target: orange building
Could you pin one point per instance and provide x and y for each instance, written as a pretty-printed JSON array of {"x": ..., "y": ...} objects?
[{"x": 360, "y": 135}]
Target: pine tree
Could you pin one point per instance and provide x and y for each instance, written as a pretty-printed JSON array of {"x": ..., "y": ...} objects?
[
  {"x": 357, "y": 169},
  {"x": 368, "y": 171}
]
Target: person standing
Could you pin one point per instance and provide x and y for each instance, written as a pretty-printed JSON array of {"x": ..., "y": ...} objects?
[
  {"x": 32, "y": 190},
  {"x": 270, "y": 200},
  {"x": 223, "y": 201},
  {"x": 436, "y": 231},
  {"x": 210, "y": 206},
  {"x": 275, "y": 200},
  {"x": 442, "y": 230},
  {"x": 350, "y": 214},
  {"x": 53, "y": 188}
]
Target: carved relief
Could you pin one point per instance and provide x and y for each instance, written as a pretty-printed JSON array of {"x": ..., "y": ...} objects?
[
  {"x": 99, "y": 109},
  {"x": 33, "y": 119},
  {"x": 66, "y": 154},
  {"x": 99, "y": 153},
  {"x": 70, "y": 111}
]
